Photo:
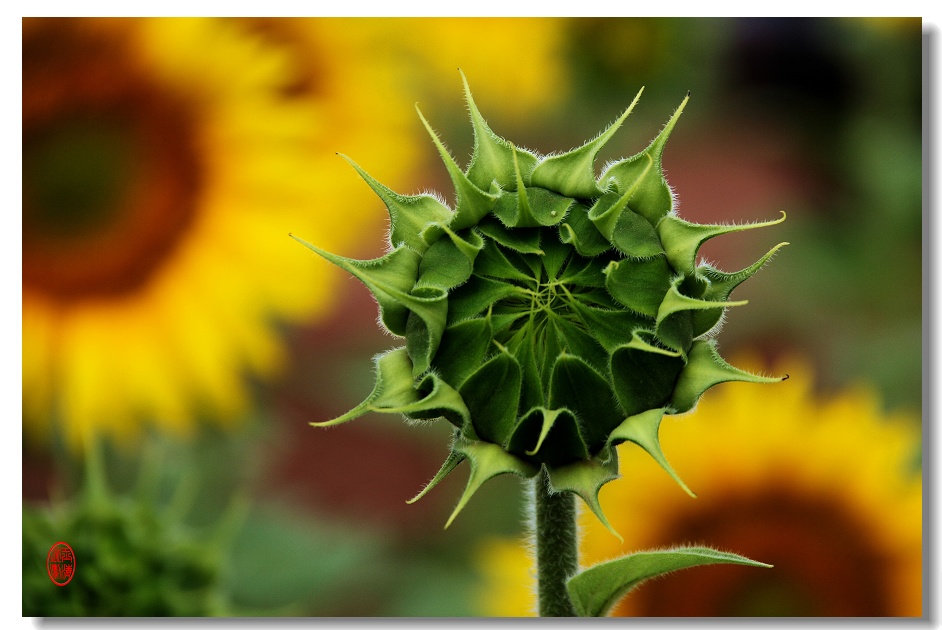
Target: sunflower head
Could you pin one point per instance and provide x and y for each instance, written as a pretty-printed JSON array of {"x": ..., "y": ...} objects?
[{"x": 552, "y": 314}]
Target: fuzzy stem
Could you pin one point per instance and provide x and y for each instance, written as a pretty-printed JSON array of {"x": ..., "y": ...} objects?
[{"x": 556, "y": 547}]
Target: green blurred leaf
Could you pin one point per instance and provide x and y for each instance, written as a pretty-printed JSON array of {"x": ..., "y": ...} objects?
[{"x": 598, "y": 588}]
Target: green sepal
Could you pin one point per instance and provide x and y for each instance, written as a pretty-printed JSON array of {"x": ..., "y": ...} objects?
[
  {"x": 531, "y": 389},
  {"x": 389, "y": 278},
  {"x": 395, "y": 392},
  {"x": 493, "y": 157},
  {"x": 675, "y": 316},
  {"x": 628, "y": 231},
  {"x": 639, "y": 284},
  {"x": 578, "y": 387},
  {"x": 487, "y": 460},
  {"x": 530, "y": 206},
  {"x": 471, "y": 203},
  {"x": 522, "y": 240},
  {"x": 556, "y": 256},
  {"x": 610, "y": 328},
  {"x": 642, "y": 175},
  {"x": 451, "y": 462},
  {"x": 706, "y": 368},
  {"x": 474, "y": 296},
  {"x": 579, "y": 231},
  {"x": 644, "y": 374},
  {"x": 425, "y": 325},
  {"x": 682, "y": 239},
  {"x": 583, "y": 272},
  {"x": 721, "y": 284},
  {"x": 446, "y": 266},
  {"x": 492, "y": 394},
  {"x": 577, "y": 342},
  {"x": 408, "y": 214},
  {"x": 642, "y": 429},
  {"x": 462, "y": 349},
  {"x": 439, "y": 400},
  {"x": 573, "y": 173},
  {"x": 551, "y": 436},
  {"x": 494, "y": 263},
  {"x": 586, "y": 478},
  {"x": 597, "y": 589}
]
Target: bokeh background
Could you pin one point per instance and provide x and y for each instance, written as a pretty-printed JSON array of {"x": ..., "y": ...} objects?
[{"x": 176, "y": 342}]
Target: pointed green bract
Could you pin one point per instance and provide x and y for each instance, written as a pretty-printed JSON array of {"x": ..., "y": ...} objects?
[
  {"x": 473, "y": 204},
  {"x": 706, "y": 368},
  {"x": 551, "y": 315},
  {"x": 408, "y": 215},
  {"x": 487, "y": 461},
  {"x": 573, "y": 173},
  {"x": 586, "y": 478},
  {"x": 682, "y": 239},
  {"x": 642, "y": 175},
  {"x": 642, "y": 429},
  {"x": 596, "y": 590},
  {"x": 395, "y": 392}
]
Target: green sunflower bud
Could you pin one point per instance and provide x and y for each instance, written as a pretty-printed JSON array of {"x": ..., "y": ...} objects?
[{"x": 550, "y": 315}]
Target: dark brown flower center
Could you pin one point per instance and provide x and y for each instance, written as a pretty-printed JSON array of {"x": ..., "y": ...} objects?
[
  {"x": 825, "y": 562},
  {"x": 111, "y": 173}
]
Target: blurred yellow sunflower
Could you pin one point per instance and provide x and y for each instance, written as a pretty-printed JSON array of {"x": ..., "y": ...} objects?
[
  {"x": 827, "y": 491},
  {"x": 164, "y": 163},
  {"x": 428, "y": 52}
]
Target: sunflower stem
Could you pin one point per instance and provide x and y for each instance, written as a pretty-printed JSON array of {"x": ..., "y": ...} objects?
[{"x": 556, "y": 546}]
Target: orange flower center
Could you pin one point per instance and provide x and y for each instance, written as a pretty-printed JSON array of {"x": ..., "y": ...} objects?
[{"x": 111, "y": 172}]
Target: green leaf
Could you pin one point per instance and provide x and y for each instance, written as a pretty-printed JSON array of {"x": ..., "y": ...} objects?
[
  {"x": 642, "y": 175},
  {"x": 597, "y": 589},
  {"x": 394, "y": 392},
  {"x": 472, "y": 203},
  {"x": 706, "y": 368},
  {"x": 682, "y": 239},
  {"x": 492, "y": 394},
  {"x": 639, "y": 284},
  {"x": 408, "y": 214}
]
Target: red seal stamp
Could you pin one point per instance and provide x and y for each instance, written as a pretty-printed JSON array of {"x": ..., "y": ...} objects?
[{"x": 60, "y": 564}]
